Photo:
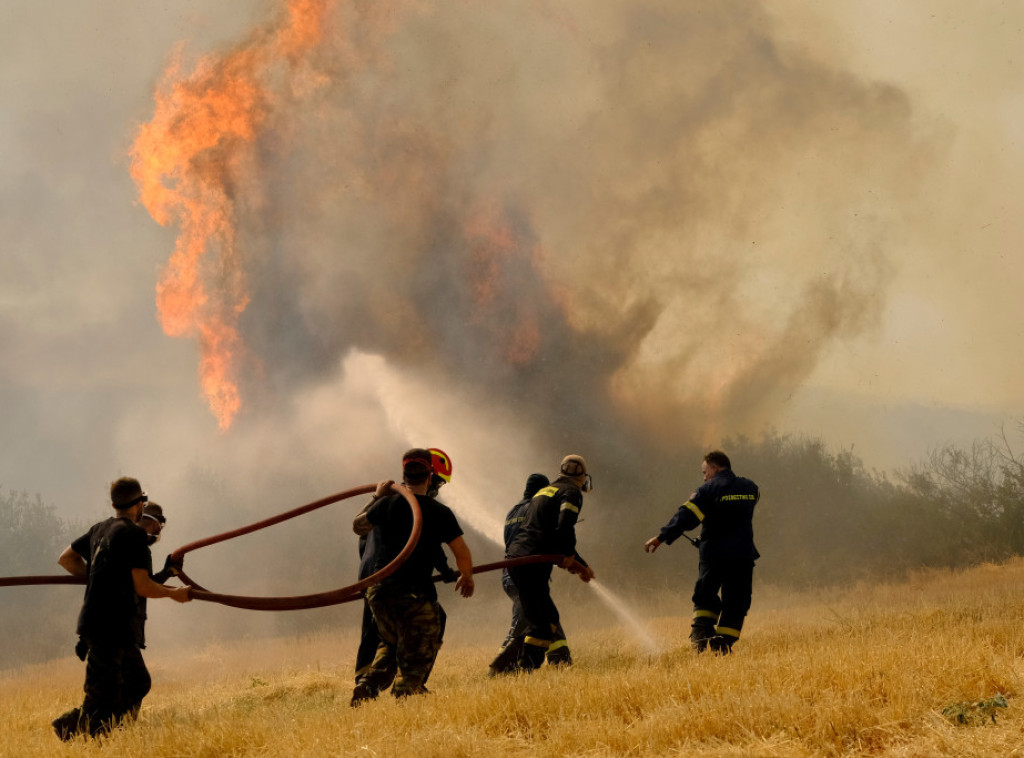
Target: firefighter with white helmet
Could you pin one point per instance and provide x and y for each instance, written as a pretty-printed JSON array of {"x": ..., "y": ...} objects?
[{"x": 548, "y": 527}]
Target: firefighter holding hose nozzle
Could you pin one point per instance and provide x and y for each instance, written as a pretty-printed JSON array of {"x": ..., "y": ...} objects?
[
  {"x": 548, "y": 527},
  {"x": 507, "y": 660},
  {"x": 724, "y": 507}
]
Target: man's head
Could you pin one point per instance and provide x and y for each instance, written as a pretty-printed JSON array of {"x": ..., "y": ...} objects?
[
  {"x": 127, "y": 497},
  {"x": 534, "y": 483},
  {"x": 575, "y": 468},
  {"x": 714, "y": 462},
  {"x": 152, "y": 521},
  {"x": 417, "y": 466}
]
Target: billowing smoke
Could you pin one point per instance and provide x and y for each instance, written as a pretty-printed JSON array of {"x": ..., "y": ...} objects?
[{"x": 644, "y": 222}]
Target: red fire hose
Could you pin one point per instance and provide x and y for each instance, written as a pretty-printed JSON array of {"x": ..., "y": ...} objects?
[
  {"x": 17, "y": 581},
  {"x": 297, "y": 602}
]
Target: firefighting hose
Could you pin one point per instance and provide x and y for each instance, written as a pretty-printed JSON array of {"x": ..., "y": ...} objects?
[{"x": 297, "y": 602}]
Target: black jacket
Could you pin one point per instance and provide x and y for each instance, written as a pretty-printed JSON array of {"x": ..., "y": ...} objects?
[
  {"x": 724, "y": 507},
  {"x": 549, "y": 522}
]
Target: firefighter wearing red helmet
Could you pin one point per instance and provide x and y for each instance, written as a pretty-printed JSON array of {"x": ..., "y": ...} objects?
[{"x": 404, "y": 605}]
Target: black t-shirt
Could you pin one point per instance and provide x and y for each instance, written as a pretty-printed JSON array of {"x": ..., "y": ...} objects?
[
  {"x": 392, "y": 521},
  {"x": 111, "y": 611}
]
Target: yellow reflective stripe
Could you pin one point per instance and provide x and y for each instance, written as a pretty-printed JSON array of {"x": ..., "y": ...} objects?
[
  {"x": 705, "y": 615},
  {"x": 546, "y": 492},
  {"x": 729, "y": 632},
  {"x": 569, "y": 507},
  {"x": 537, "y": 642},
  {"x": 558, "y": 644},
  {"x": 516, "y": 520},
  {"x": 696, "y": 511}
]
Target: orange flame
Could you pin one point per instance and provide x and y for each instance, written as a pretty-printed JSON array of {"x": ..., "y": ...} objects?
[{"x": 191, "y": 163}]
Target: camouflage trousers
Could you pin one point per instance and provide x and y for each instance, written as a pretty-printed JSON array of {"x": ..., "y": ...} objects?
[{"x": 410, "y": 630}]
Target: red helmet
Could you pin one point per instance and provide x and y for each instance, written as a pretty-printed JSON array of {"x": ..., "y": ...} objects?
[{"x": 441, "y": 463}]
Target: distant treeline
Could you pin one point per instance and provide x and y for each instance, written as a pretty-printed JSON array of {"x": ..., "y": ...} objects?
[
  {"x": 36, "y": 623},
  {"x": 825, "y": 519}
]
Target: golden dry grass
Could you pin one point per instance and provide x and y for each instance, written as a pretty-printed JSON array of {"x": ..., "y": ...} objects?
[{"x": 862, "y": 671}]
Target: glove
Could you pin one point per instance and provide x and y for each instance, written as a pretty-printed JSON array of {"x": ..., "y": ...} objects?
[
  {"x": 174, "y": 566},
  {"x": 448, "y": 574},
  {"x": 82, "y": 649}
]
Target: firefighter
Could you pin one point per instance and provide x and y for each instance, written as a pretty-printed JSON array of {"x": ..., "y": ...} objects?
[
  {"x": 724, "y": 507},
  {"x": 114, "y": 558},
  {"x": 369, "y": 639},
  {"x": 404, "y": 605},
  {"x": 548, "y": 527},
  {"x": 507, "y": 660}
]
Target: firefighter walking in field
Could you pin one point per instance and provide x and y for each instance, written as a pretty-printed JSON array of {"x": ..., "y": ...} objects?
[
  {"x": 114, "y": 559},
  {"x": 724, "y": 507},
  {"x": 507, "y": 659},
  {"x": 369, "y": 639},
  {"x": 548, "y": 527},
  {"x": 404, "y": 604}
]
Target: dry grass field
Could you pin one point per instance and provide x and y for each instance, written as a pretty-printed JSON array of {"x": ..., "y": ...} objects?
[{"x": 882, "y": 670}]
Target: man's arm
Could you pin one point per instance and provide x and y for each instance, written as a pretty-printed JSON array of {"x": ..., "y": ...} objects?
[
  {"x": 361, "y": 525},
  {"x": 464, "y": 561},
  {"x": 146, "y": 587},
  {"x": 689, "y": 516},
  {"x": 73, "y": 563}
]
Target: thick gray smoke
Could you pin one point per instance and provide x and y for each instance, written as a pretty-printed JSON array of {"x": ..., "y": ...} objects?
[{"x": 645, "y": 222}]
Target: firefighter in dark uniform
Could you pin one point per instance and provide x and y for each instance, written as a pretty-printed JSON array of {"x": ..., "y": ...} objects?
[
  {"x": 507, "y": 660},
  {"x": 724, "y": 507},
  {"x": 548, "y": 528}
]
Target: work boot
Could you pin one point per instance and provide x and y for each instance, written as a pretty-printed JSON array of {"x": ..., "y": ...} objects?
[
  {"x": 67, "y": 724},
  {"x": 507, "y": 660},
  {"x": 531, "y": 657},
  {"x": 361, "y": 693},
  {"x": 701, "y": 631},
  {"x": 560, "y": 657},
  {"x": 721, "y": 644}
]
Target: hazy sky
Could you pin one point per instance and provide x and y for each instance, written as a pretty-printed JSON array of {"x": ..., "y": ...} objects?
[{"x": 512, "y": 229}]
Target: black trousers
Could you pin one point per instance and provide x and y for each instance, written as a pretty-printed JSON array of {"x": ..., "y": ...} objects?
[
  {"x": 722, "y": 593},
  {"x": 533, "y": 583},
  {"x": 116, "y": 681}
]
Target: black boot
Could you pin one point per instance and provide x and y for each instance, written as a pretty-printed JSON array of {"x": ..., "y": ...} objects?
[
  {"x": 361, "y": 693},
  {"x": 532, "y": 657},
  {"x": 67, "y": 725},
  {"x": 721, "y": 644},
  {"x": 560, "y": 657},
  {"x": 507, "y": 660},
  {"x": 703, "y": 629}
]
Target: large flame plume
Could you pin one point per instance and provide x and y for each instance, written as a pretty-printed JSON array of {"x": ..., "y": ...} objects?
[{"x": 189, "y": 163}]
